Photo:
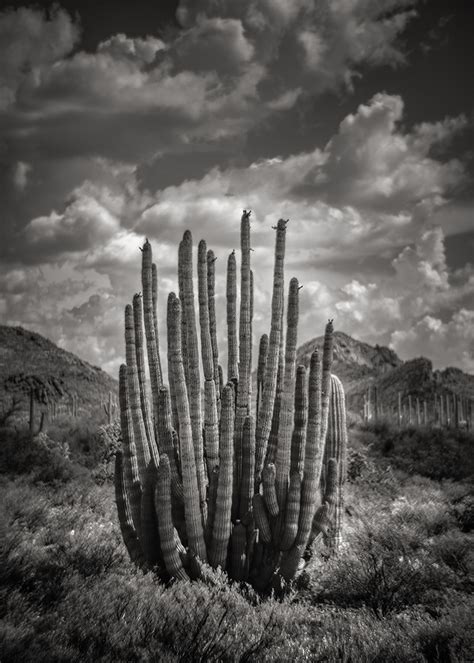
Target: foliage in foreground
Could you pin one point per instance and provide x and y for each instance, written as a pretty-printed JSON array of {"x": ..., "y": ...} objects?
[
  {"x": 438, "y": 453},
  {"x": 69, "y": 592}
]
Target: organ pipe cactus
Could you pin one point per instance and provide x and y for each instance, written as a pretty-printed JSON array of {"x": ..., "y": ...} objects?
[{"x": 208, "y": 472}]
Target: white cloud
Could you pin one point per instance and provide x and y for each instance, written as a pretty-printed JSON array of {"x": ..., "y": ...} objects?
[
  {"x": 448, "y": 343},
  {"x": 371, "y": 163},
  {"x": 94, "y": 118},
  {"x": 30, "y": 40},
  {"x": 20, "y": 175}
]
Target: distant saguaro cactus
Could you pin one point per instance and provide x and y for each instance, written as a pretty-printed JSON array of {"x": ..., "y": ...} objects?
[
  {"x": 212, "y": 475},
  {"x": 110, "y": 408}
]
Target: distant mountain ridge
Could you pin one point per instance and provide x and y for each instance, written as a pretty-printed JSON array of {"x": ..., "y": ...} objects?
[
  {"x": 31, "y": 361},
  {"x": 360, "y": 365},
  {"x": 28, "y": 360}
]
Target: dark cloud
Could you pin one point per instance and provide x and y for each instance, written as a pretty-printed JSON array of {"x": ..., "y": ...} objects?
[{"x": 151, "y": 134}]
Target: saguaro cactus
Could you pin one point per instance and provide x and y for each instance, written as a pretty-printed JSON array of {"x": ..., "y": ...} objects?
[{"x": 247, "y": 494}]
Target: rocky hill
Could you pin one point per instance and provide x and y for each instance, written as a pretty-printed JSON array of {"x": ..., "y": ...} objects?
[
  {"x": 360, "y": 366},
  {"x": 30, "y": 362}
]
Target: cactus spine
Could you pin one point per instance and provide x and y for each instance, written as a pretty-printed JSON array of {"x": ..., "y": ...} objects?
[{"x": 248, "y": 494}]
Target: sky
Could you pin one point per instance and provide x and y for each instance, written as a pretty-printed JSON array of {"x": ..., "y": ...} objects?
[{"x": 351, "y": 118}]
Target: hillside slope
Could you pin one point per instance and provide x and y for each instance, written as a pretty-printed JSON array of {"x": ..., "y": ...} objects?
[
  {"x": 360, "y": 365},
  {"x": 30, "y": 361}
]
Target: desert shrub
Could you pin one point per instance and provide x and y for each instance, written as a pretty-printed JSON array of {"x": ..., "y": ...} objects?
[
  {"x": 424, "y": 506},
  {"x": 455, "y": 549},
  {"x": 358, "y": 464},
  {"x": 386, "y": 566},
  {"x": 47, "y": 537},
  {"x": 45, "y": 459},
  {"x": 463, "y": 510},
  {"x": 90, "y": 446},
  {"x": 438, "y": 453}
]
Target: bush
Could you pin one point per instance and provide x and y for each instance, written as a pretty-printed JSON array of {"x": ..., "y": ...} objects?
[
  {"x": 387, "y": 566},
  {"x": 437, "y": 453},
  {"x": 43, "y": 458}
]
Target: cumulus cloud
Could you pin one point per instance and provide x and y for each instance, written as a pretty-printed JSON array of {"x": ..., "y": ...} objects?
[
  {"x": 29, "y": 40},
  {"x": 373, "y": 164},
  {"x": 452, "y": 340},
  {"x": 229, "y": 67},
  {"x": 20, "y": 175},
  {"x": 84, "y": 130},
  {"x": 84, "y": 222}
]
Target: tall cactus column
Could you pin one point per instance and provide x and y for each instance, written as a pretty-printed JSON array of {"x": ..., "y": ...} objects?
[
  {"x": 193, "y": 363},
  {"x": 271, "y": 367},
  {"x": 336, "y": 448},
  {"x": 248, "y": 494},
  {"x": 245, "y": 349},
  {"x": 192, "y": 505}
]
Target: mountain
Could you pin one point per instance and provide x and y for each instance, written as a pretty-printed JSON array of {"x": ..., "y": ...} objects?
[
  {"x": 360, "y": 366},
  {"x": 28, "y": 361}
]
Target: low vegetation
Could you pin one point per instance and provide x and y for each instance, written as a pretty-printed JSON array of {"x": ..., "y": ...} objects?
[{"x": 399, "y": 590}]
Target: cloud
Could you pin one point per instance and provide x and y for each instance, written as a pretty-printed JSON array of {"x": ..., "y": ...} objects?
[
  {"x": 30, "y": 39},
  {"x": 453, "y": 341},
  {"x": 84, "y": 132},
  {"x": 84, "y": 222},
  {"x": 372, "y": 164},
  {"x": 213, "y": 45},
  {"x": 229, "y": 68},
  {"x": 337, "y": 250},
  {"x": 20, "y": 175}
]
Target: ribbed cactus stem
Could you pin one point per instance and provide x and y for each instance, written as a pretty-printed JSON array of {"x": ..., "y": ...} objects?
[
  {"x": 139, "y": 349},
  {"x": 326, "y": 377},
  {"x": 269, "y": 492},
  {"x": 283, "y": 454},
  {"x": 154, "y": 364},
  {"x": 248, "y": 467},
  {"x": 150, "y": 536},
  {"x": 211, "y": 504},
  {"x": 292, "y": 513},
  {"x": 165, "y": 431},
  {"x": 211, "y": 292},
  {"x": 129, "y": 533},
  {"x": 222, "y": 517},
  {"x": 171, "y": 378},
  {"x": 298, "y": 440},
  {"x": 323, "y": 517},
  {"x": 231, "y": 295},
  {"x": 182, "y": 256},
  {"x": 271, "y": 369},
  {"x": 203, "y": 299},
  {"x": 262, "y": 360},
  {"x": 211, "y": 432},
  {"x": 336, "y": 447},
  {"x": 245, "y": 344},
  {"x": 220, "y": 372},
  {"x": 261, "y": 518},
  {"x": 251, "y": 332},
  {"x": 238, "y": 560},
  {"x": 192, "y": 509},
  {"x": 171, "y": 558},
  {"x": 211, "y": 425},
  {"x": 194, "y": 385},
  {"x": 313, "y": 452},
  {"x": 141, "y": 442},
  {"x": 154, "y": 292},
  {"x": 131, "y": 475},
  {"x": 292, "y": 562},
  {"x": 273, "y": 438}
]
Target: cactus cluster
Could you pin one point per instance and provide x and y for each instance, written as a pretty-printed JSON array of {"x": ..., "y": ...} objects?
[{"x": 207, "y": 473}]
